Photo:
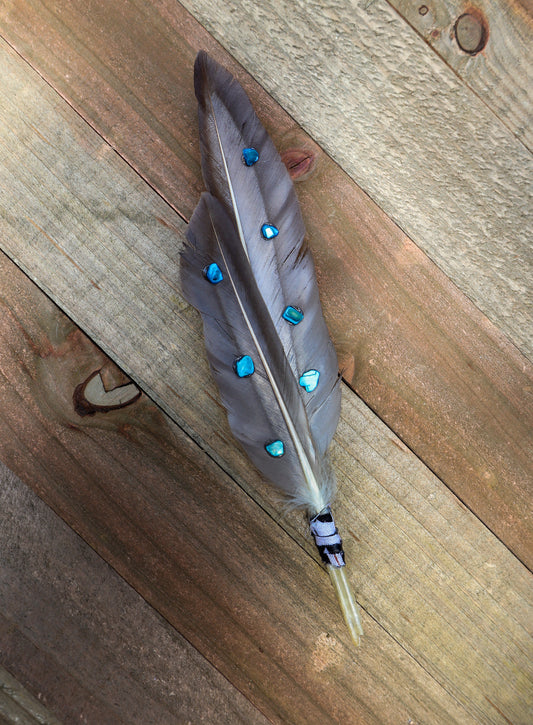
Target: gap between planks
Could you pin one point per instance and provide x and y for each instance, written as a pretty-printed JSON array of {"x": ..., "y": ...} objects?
[{"x": 499, "y": 73}]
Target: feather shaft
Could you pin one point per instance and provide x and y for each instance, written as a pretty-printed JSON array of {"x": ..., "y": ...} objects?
[
  {"x": 230, "y": 185},
  {"x": 315, "y": 492},
  {"x": 349, "y": 608}
]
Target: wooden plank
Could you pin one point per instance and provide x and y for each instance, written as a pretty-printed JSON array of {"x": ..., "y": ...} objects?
[
  {"x": 447, "y": 605},
  {"x": 406, "y": 129},
  {"x": 219, "y": 568},
  {"x": 488, "y": 44},
  {"x": 59, "y": 599},
  {"x": 468, "y": 209},
  {"x": 418, "y": 353}
]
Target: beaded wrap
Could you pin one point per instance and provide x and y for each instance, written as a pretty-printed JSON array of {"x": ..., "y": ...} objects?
[{"x": 327, "y": 538}]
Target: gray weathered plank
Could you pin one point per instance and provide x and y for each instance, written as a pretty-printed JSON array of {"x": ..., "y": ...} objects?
[
  {"x": 19, "y": 707},
  {"x": 501, "y": 72},
  {"x": 406, "y": 129},
  {"x": 431, "y": 574}
]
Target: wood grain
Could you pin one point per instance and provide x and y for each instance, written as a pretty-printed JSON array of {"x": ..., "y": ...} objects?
[
  {"x": 447, "y": 607},
  {"x": 402, "y": 124},
  {"x": 357, "y": 78},
  {"x": 220, "y": 569},
  {"x": 413, "y": 348},
  {"x": 79, "y": 637},
  {"x": 501, "y": 72}
]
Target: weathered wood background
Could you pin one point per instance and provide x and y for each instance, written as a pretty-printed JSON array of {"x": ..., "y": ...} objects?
[{"x": 418, "y": 214}]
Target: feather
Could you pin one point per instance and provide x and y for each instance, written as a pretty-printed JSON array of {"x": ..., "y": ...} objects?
[{"x": 247, "y": 269}]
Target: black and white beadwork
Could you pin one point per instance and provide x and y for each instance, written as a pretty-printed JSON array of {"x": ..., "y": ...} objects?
[{"x": 327, "y": 538}]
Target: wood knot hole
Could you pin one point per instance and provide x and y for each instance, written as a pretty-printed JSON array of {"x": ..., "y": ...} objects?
[
  {"x": 471, "y": 32},
  {"x": 299, "y": 163},
  {"x": 92, "y": 397}
]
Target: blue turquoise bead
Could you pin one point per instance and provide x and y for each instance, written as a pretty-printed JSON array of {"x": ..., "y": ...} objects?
[
  {"x": 294, "y": 315},
  {"x": 269, "y": 231},
  {"x": 244, "y": 366},
  {"x": 275, "y": 449},
  {"x": 213, "y": 274},
  {"x": 309, "y": 380},
  {"x": 250, "y": 156}
]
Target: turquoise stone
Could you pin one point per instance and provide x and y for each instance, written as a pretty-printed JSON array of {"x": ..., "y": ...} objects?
[
  {"x": 250, "y": 156},
  {"x": 309, "y": 380},
  {"x": 244, "y": 366},
  {"x": 213, "y": 274},
  {"x": 294, "y": 315},
  {"x": 275, "y": 449},
  {"x": 269, "y": 231}
]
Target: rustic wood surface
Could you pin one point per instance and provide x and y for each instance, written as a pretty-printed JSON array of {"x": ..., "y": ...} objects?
[
  {"x": 444, "y": 379},
  {"x": 447, "y": 607},
  {"x": 488, "y": 44},
  {"x": 82, "y": 639},
  {"x": 221, "y": 570},
  {"x": 361, "y": 82},
  {"x": 403, "y": 125}
]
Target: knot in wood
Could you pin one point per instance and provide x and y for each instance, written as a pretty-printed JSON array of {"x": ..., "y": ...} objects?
[{"x": 471, "y": 32}]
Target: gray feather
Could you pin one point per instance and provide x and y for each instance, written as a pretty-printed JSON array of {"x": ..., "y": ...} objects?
[{"x": 242, "y": 315}]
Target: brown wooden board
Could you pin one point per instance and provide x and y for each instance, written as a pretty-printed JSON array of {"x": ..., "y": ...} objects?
[
  {"x": 86, "y": 643},
  {"x": 219, "y": 568},
  {"x": 430, "y": 365}
]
